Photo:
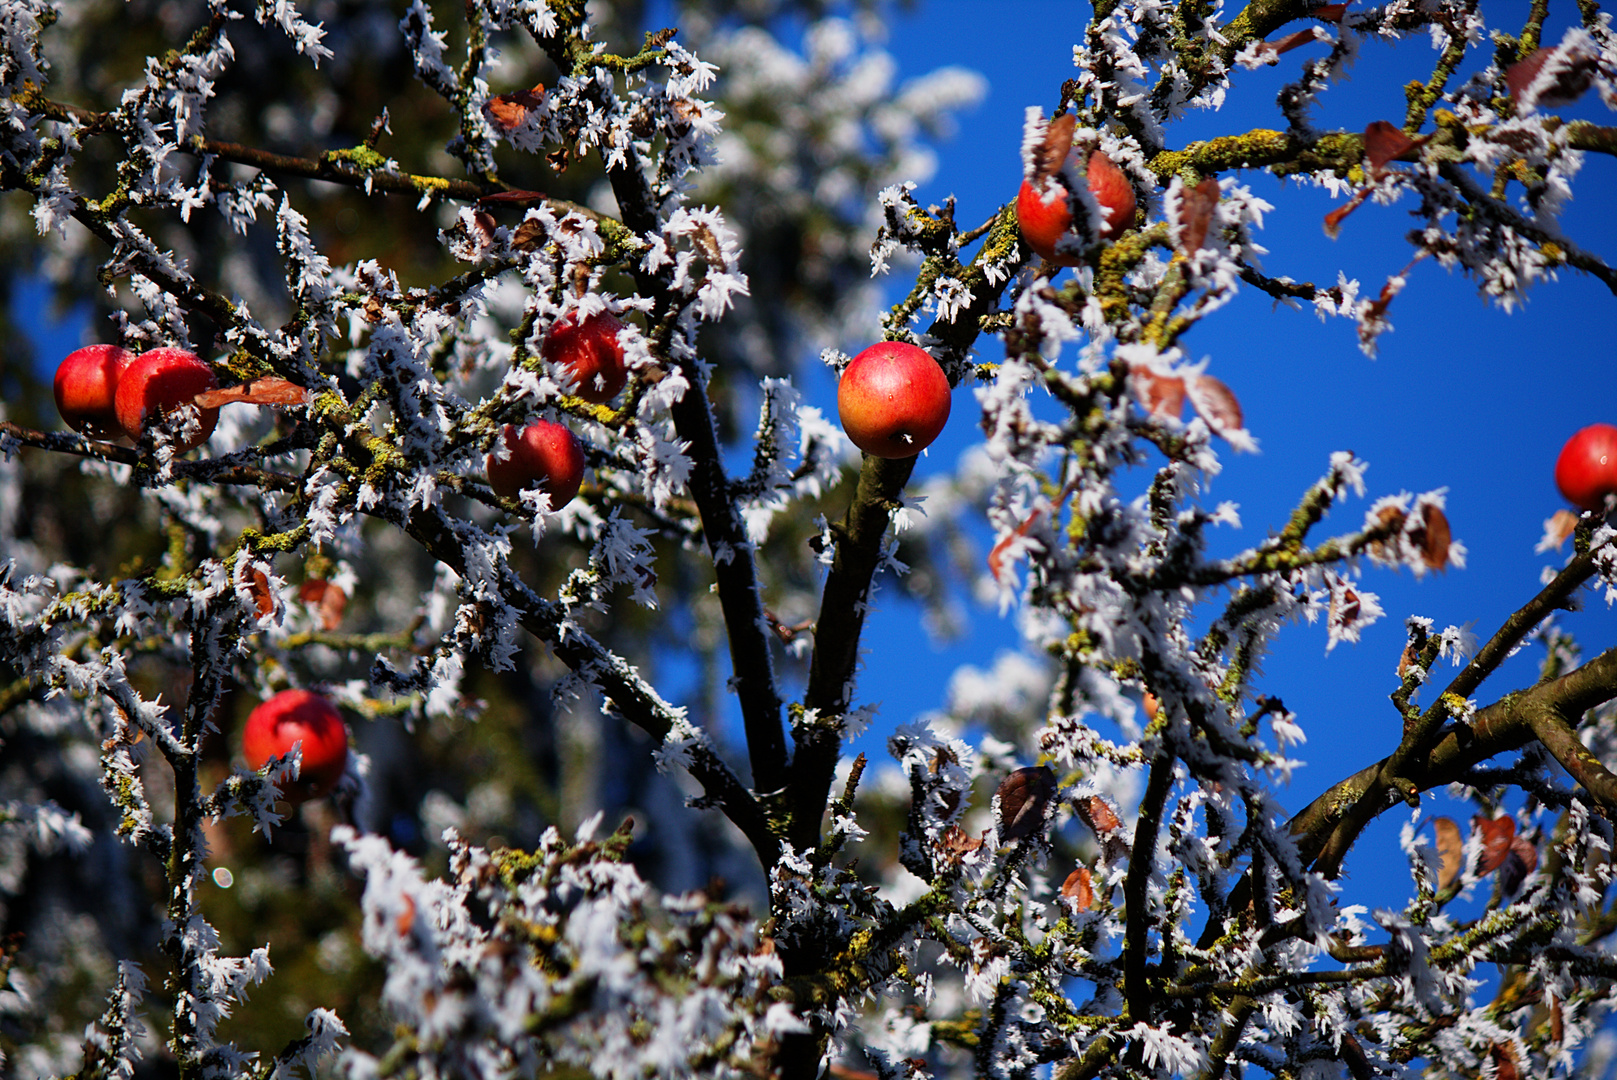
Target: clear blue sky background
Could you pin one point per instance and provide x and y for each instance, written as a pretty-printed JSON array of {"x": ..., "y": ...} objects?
[{"x": 1461, "y": 395}]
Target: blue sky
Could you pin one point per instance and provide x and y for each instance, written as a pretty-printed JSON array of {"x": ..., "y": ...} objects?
[{"x": 1461, "y": 395}]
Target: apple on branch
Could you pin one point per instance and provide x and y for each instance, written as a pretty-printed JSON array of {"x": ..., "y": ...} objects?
[
  {"x": 159, "y": 382},
  {"x": 546, "y": 455},
  {"x": 589, "y": 351},
  {"x": 86, "y": 389},
  {"x": 1586, "y": 471},
  {"x": 295, "y": 717},
  {"x": 1044, "y": 203},
  {"x": 893, "y": 400}
]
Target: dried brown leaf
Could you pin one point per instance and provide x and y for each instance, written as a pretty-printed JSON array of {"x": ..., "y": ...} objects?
[
  {"x": 1080, "y": 889},
  {"x": 1558, "y": 526},
  {"x": 1504, "y": 1062},
  {"x": 1497, "y": 833},
  {"x": 1450, "y": 852},
  {"x": 508, "y": 111},
  {"x": 1216, "y": 403},
  {"x": 1022, "y": 802},
  {"x": 1333, "y": 220},
  {"x": 1161, "y": 396},
  {"x": 1292, "y": 41},
  {"x": 1051, "y": 152},
  {"x": 1567, "y": 86},
  {"x": 270, "y": 390},
  {"x": 1331, "y": 13},
  {"x": 1196, "y": 207},
  {"x": 328, "y": 600},
  {"x": 1435, "y": 538},
  {"x": 1520, "y": 861},
  {"x": 258, "y": 587},
  {"x": 1384, "y": 142},
  {"x": 957, "y": 843},
  {"x": 514, "y": 197}
]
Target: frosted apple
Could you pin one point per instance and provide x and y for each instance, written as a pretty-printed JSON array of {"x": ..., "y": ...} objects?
[
  {"x": 158, "y": 382},
  {"x": 893, "y": 400},
  {"x": 1586, "y": 471},
  {"x": 590, "y": 352},
  {"x": 545, "y": 455},
  {"x": 292, "y": 717},
  {"x": 87, "y": 387},
  {"x": 1044, "y": 216}
]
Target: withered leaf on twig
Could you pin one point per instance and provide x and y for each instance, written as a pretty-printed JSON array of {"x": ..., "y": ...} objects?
[
  {"x": 514, "y": 197},
  {"x": 1504, "y": 1061},
  {"x": 1384, "y": 142},
  {"x": 1434, "y": 538},
  {"x": 1216, "y": 403},
  {"x": 1558, "y": 526},
  {"x": 1196, "y": 207},
  {"x": 1497, "y": 833},
  {"x": 269, "y": 390},
  {"x": 508, "y": 111},
  {"x": 258, "y": 587},
  {"x": 1520, "y": 861},
  {"x": 1450, "y": 852},
  {"x": 1051, "y": 152},
  {"x": 1023, "y": 800},
  {"x": 1079, "y": 888},
  {"x": 1567, "y": 85},
  {"x": 327, "y": 599}
]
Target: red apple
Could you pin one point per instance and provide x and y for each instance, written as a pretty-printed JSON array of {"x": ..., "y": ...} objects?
[
  {"x": 590, "y": 352},
  {"x": 1586, "y": 471},
  {"x": 1045, "y": 218},
  {"x": 893, "y": 400},
  {"x": 299, "y": 716},
  {"x": 87, "y": 386},
  {"x": 160, "y": 381},
  {"x": 545, "y": 455}
]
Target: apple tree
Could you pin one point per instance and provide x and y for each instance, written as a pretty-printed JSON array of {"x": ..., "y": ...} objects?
[{"x": 600, "y": 813}]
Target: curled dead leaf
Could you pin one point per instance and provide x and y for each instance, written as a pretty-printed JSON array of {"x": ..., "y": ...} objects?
[
  {"x": 1520, "y": 861},
  {"x": 328, "y": 601},
  {"x": 258, "y": 587},
  {"x": 1161, "y": 396},
  {"x": 1079, "y": 889},
  {"x": 1292, "y": 41},
  {"x": 1497, "y": 833},
  {"x": 1450, "y": 852},
  {"x": 1345, "y": 608},
  {"x": 1022, "y": 802},
  {"x": 1558, "y": 526},
  {"x": 1384, "y": 142},
  {"x": 997, "y": 554},
  {"x": 509, "y": 111},
  {"x": 1216, "y": 403},
  {"x": 269, "y": 390},
  {"x": 1331, "y": 13},
  {"x": 1504, "y": 1062},
  {"x": 957, "y": 843},
  {"x": 1196, "y": 214},
  {"x": 1434, "y": 538},
  {"x": 1575, "y": 75},
  {"x": 1098, "y": 815},
  {"x": 1333, "y": 220},
  {"x": 1389, "y": 520},
  {"x": 530, "y": 236},
  {"x": 1051, "y": 152}
]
